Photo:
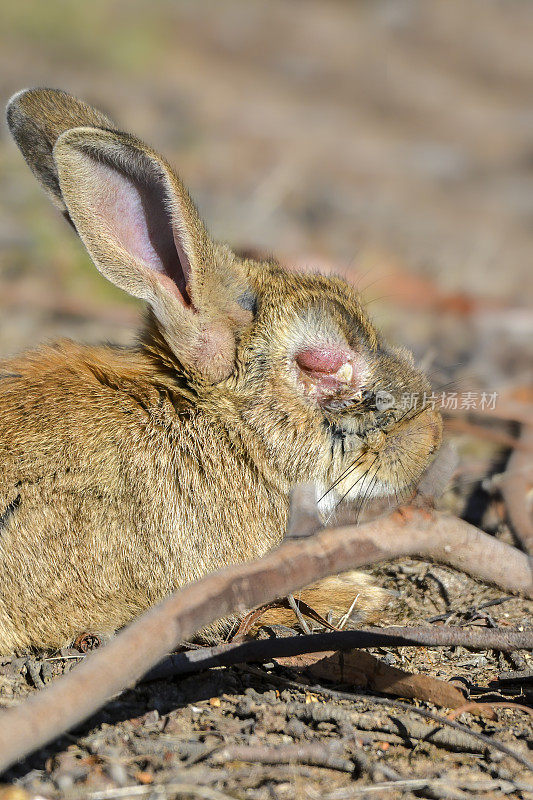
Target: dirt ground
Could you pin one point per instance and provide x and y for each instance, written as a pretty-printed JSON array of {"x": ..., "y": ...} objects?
[{"x": 392, "y": 142}]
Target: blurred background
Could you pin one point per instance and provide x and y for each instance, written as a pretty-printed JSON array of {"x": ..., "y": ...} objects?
[{"x": 389, "y": 140}]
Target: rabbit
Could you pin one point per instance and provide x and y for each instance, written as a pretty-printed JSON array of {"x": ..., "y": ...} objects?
[{"x": 128, "y": 472}]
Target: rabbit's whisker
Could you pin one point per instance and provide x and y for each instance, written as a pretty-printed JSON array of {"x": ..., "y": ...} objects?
[
  {"x": 361, "y": 477},
  {"x": 350, "y": 468},
  {"x": 361, "y": 503}
]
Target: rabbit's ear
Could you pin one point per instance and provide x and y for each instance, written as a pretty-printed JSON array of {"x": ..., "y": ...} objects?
[
  {"x": 36, "y": 119},
  {"x": 144, "y": 234}
]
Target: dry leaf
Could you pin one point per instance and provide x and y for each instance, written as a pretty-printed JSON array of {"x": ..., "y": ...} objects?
[
  {"x": 359, "y": 668},
  {"x": 144, "y": 778}
]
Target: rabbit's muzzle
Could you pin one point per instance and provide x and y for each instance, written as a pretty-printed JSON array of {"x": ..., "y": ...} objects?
[
  {"x": 402, "y": 449},
  {"x": 387, "y": 457},
  {"x": 417, "y": 436}
]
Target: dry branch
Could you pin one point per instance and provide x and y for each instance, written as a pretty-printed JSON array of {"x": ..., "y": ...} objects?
[
  {"x": 506, "y": 409},
  {"x": 173, "y": 789},
  {"x": 312, "y": 753},
  {"x": 224, "y": 655},
  {"x": 458, "y": 425},
  {"x": 517, "y": 487},
  {"x": 293, "y": 565}
]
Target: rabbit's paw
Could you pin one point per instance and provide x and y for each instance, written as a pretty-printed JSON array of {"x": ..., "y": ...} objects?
[{"x": 345, "y": 601}]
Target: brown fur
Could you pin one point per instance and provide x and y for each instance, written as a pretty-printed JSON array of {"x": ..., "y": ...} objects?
[{"x": 126, "y": 473}]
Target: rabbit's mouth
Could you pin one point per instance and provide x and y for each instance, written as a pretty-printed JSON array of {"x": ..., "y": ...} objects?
[{"x": 383, "y": 460}]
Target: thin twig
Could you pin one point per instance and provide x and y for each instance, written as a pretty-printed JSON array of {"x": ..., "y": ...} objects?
[
  {"x": 505, "y": 640},
  {"x": 314, "y": 754},
  {"x": 415, "y": 784},
  {"x": 180, "y": 789},
  {"x": 469, "y": 612},
  {"x": 299, "y": 616}
]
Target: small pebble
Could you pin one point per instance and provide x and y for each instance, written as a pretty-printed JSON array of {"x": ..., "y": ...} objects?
[
  {"x": 295, "y": 728},
  {"x": 244, "y": 707},
  {"x": 47, "y": 672},
  {"x": 33, "y": 669}
]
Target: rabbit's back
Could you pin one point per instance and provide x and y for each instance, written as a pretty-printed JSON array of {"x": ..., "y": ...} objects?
[{"x": 112, "y": 494}]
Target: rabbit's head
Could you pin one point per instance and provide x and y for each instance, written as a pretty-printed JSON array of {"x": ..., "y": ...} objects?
[
  {"x": 325, "y": 395},
  {"x": 289, "y": 362}
]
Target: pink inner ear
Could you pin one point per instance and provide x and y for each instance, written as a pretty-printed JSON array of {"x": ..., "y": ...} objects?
[
  {"x": 327, "y": 359},
  {"x": 136, "y": 215},
  {"x": 119, "y": 203}
]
